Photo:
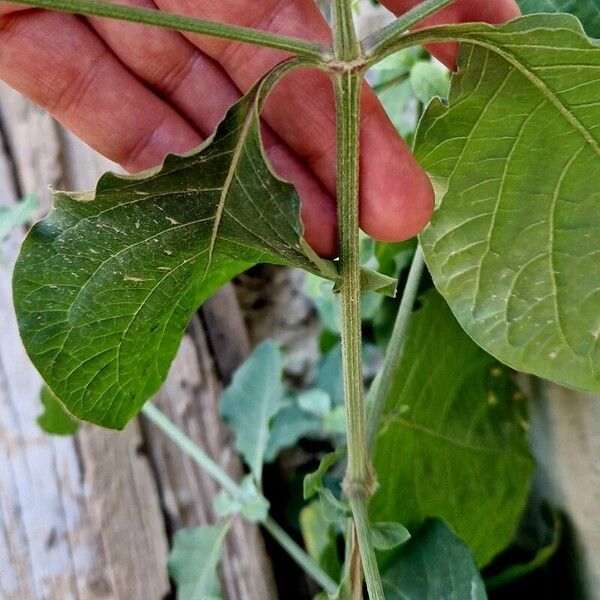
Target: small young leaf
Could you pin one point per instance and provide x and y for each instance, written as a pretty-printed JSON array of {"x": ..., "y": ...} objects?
[
  {"x": 16, "y": 215},
  {"x": 289, "y": 426},
  {"x": 453, "y": 417},
  {"x": 514, "y": 244},
  {"x": 434, "y": 564},
  {"x": 55, "y": 420},
  {"x": 313, "y": 482},
  {"x": 194, "y": 560},
  {"x": 587, "y": 11},
  {"x": 253, "y": 398},
  {"x": 254, "y": 507},
  {"x": 387, "y": 536},
  {"x": 315, "y": 401}
]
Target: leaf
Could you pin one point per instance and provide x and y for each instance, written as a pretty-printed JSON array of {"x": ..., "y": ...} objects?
[
  {"x": 452, "y": 442},
  {"x": 429, "y": 80},
  {"x": 55, "y": 420},
  {"x": 16, "y": 215},
  {"x": 253, "y": 506},
  {"x": 320, "y": 540},
  {"x": 387, "y": 536},
  {"x": 333, "y": 509},
  {"x": 313, "y": 482},
  {"x": 514, "y": 245},
  {"x": 194, "y": 560},
  {"x": 315, "y": 401},
  {"x": 289, "y": 426},
  {"x": 253, "y": 398},
  {"x": 587, "y": 11},
  {"x": 106, "y": 284},
  {"x": 434, "y": 564}
]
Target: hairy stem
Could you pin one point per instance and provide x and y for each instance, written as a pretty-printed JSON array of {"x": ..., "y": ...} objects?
[
  {"x": 381, "y": 386},
  {"x": 306, "y": 49},
  {"x": 383, "y": 40},
  {"x": 359, "y": 480},
  {"x": 210, "y": 467}
]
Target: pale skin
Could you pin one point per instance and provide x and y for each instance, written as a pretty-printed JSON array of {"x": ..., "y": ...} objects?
[{"x": 135, "y": 93}]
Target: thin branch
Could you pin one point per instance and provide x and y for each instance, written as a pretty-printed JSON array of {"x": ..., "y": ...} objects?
[
  {"x": 189, "y": 447},
  {"x": 381, "y": 386},
  {"x": 306, "y": 49},
  {"x": 379, "y": 43}
]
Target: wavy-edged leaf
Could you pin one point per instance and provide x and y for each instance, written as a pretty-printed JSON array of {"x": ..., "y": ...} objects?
[
  {"x": 106, "y": 284},
  {"x": 255, "y": 395},
  {"x": 514, "y": 246},
  {"x": 434, "y": 564},
  {"x": 587, "y": 11},
  {"x": 452, "y": 442},
  {"x": 194, "y": 560}
]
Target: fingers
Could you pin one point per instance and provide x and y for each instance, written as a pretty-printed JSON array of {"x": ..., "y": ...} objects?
[
  {"x": 7, "y": 8},
  {"x": 396, "y": 195},
  {"x": 462, "y": 11},
  {"x": 201, "y": 91},
  {"x": 59, "y": 63}
]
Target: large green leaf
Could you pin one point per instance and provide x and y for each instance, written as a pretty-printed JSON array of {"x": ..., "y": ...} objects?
[
  {"x": 194, "y": 559},
  {"x": 433, "y": 565},
  {"x": 515, "y": 245},
  {"x": 452, "y": 442},
  {"x": 587, "y": 11},
  {"x": 106, "y": 284}
]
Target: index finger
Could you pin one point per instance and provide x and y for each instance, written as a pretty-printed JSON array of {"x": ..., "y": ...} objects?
[{"x": 462, "y": 11}]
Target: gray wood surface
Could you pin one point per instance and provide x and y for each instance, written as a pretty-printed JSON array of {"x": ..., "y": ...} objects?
[{"x": 89, "y": 517}]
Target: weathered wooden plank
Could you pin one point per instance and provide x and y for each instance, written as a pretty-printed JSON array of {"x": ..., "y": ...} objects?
[{"x": 80, "y": 517}]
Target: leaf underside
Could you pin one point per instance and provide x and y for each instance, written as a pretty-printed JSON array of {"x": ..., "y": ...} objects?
[
  {"x": 454, "y": 417},
  {"x": 255, "y": 395},
  {"x": 515, "y": 245},
  {"x": 106, "y": 284}
]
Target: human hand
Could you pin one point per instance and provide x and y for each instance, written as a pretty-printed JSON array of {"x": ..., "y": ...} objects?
[{"x": 135, "y": 93}]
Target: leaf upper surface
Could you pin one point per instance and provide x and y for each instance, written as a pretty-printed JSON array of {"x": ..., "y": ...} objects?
[{"x": 514, "y": 246}]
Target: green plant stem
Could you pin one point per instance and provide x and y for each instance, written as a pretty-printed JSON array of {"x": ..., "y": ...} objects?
[
  {"x": 302, "y": 559},
  {"x": 380, "y": 388},
  {"x": 187, "y": 445},
  {"x": 359, "y": 480},
  {"x": 380, "y": 42},
  {"x": 312, "y": 50},
  {"x": 440, "y": 33}
]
